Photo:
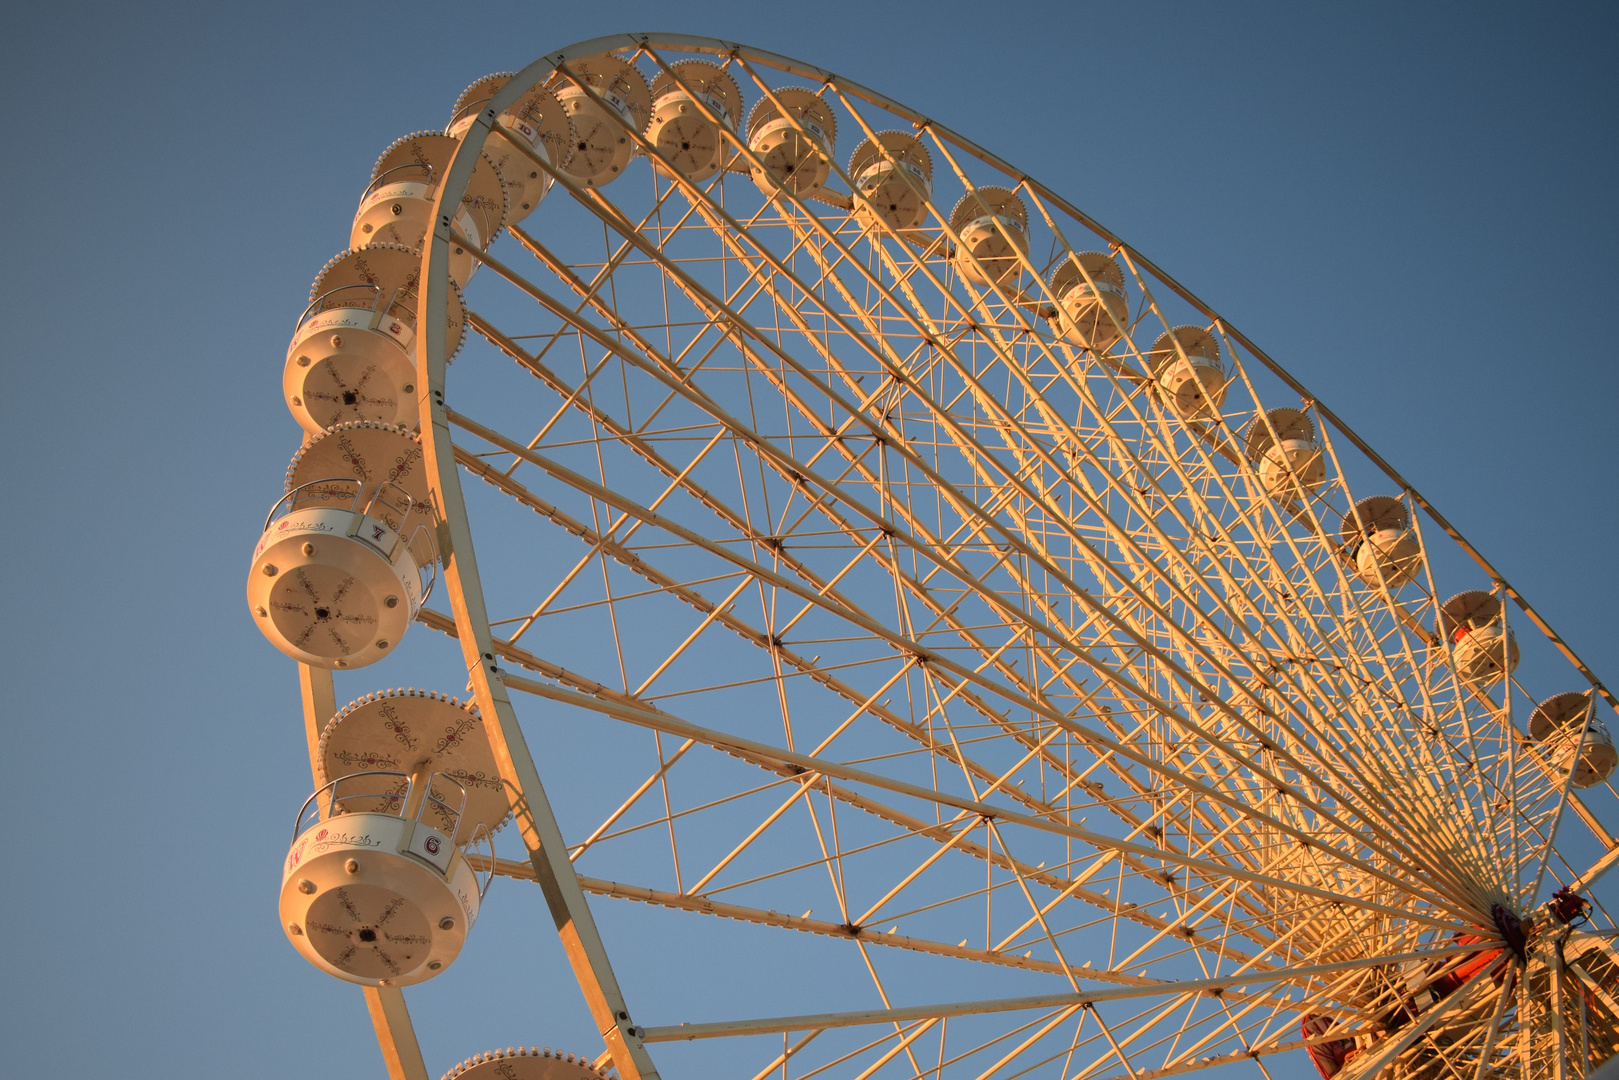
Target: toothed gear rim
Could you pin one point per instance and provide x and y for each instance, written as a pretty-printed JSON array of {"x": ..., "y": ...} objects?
[
  {"x": 868, "y": 154},
  {"x": 555, "y": 130},
  {"x": 493, "y": 81},
  {"x": 337, "y": 429},
  {"x": 375, "y": 454},
  {"x": 1002, "y": 202},
  {"x": 602, "y": 71},
  {"x": 525, "y": 1063},
  {"x": 803, "y": 103},
  {"x": 1289, "y": 424},
  {"x": 437, "y": 139},
  {"x": 1102, "y": 267},
  {"x": 707, "y": 77},
  {"x": 458, "y": 314},
  {"x": 406, "y": 728},
  {"x": 1375, "y": 513}
]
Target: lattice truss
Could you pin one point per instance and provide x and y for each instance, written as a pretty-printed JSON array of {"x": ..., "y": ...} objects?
[{"x": 904, "y": 611}]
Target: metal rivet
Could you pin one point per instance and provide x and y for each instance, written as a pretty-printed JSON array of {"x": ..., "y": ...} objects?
[
  {"x": 297, "y": 401},
  {"x": 446, "y": 923},
  {"x": 337, "y": 341},
  {"x": 303, "y": 361},
  {"x": 410, "y": 388},
  {"x": 392, "y": 601},
  {"x": 306, "y": 886},
  {"x": 365, "y": 228},
  {"x": 269, "y": 570},
  {"x": 260, "y": 612},
  {"x": 398, "y": 209},
  {"x": 435, "y": 965},
  {"x": 309, "y": 549},
  {"x": 342, "y": 663},
  {"x": 352, "y": 866},
  {"x": 383, "y": 644},
  {"x": 294, "y": 929}
]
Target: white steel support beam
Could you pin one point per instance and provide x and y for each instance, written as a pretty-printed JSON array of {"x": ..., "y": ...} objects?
[
  {"x": 548, "y": 853},
  {"x": 749, "y": 748},
  {"x": 822, "y": 1021}
]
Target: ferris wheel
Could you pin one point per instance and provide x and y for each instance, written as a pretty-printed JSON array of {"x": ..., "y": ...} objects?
[{"x": 938, "y": 580}]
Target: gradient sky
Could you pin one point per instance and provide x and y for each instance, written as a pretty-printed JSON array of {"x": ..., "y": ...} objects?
[{"x": 1413, "y": 209}]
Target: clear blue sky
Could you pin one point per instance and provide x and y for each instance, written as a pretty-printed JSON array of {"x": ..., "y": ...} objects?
[{"x": 1412, "y": 207}]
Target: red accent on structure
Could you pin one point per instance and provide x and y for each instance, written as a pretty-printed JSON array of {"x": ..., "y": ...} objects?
[{"x": 1329, "y": 1057}]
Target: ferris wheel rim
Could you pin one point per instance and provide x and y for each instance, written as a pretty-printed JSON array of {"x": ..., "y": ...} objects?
[{"x": 431, "y": 367}]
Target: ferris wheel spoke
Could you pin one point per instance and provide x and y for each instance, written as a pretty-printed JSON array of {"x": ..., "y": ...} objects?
[{"x": 775, "y": 757}]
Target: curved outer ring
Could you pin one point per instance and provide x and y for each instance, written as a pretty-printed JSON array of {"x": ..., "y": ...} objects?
[{"x": 539, "y": 827}]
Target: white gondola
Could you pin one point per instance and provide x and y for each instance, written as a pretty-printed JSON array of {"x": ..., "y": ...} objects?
[
  {"x": 1089, "y": 289},
  {"x": 370, "y": 892},
  {"x": 617, "y": 103},
  {"x": 352, "y": 356},
  {"x": 1284, "y": 452},
  {"x": 894, "y": 172},
  {"x": 993, "y": 225},
  {"x": 525, "y": 1063},
  {"x": 398, "y": 205},
  {"x": 541, "y": 124},
  {"x": 795, "y": 145},
  {"x": 336, "y": 578},
  {"x": 1481, "y": 640},
  {"x": 1379, "y": 542},
  {"x": 1560, "y": 723},
  {"x": 1186, "y": 364},
  {"x": 377, "y": 887},
  {"x": 691, "y": 143}
]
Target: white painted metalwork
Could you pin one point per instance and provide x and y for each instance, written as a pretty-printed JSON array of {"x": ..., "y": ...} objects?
[{"x": 994, "y": 600}]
